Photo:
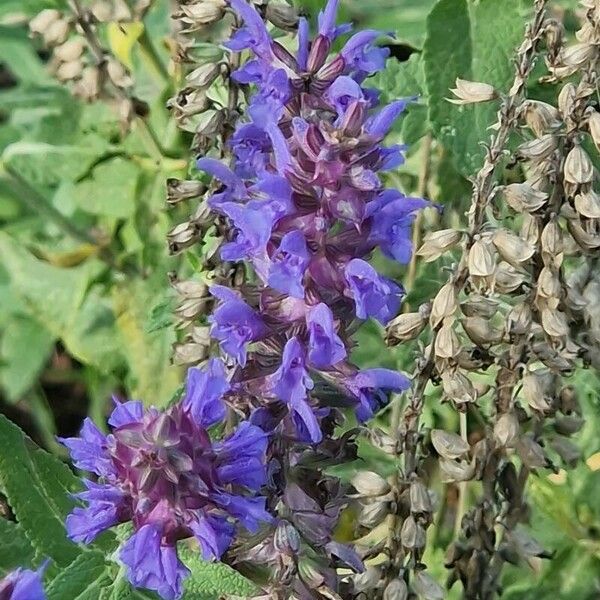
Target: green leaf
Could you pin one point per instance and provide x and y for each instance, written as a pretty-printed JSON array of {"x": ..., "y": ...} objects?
[
  {"x": 19, "y": 56},
  {"x": 15, "y": 549},
  {"x": 110, "y": 191},
  {"x": 36, "y": 486},
  {"x": 474, "y": 41},
  {"x": 25, "y": 349},
  {"x": 212, "y": 580},
  {"x": 83, "y": 579},
  {"x": 45, "y": 164},
  {"x": 151, "y": 376}
]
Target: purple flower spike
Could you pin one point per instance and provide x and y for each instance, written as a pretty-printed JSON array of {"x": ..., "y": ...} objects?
[
  {"x": 23, "y": 584},
  {"x": 172, "y": 482},
  {"x": 291, "y": 384},
  {"x": 288, "y": 265},
  {"x": 325, "y": 347},
  {"x": 375, "y": 296},
  {"x": 152, "y": 565},
  {"x": 204, "y": 392},
  {"x": 235, "y": 325},
  {"x": 370, "y": 387}
]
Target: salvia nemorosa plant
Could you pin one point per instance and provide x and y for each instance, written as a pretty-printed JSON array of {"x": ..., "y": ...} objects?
[
  {"x": 302, "y": 195},
  {"x": 290, "y": 177}
]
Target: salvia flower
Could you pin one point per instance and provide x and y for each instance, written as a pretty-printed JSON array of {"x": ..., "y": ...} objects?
[
  {"x": 22, "y": 584},
  {"x": 305, "y": 199},
  {"x": 161, "y": 471}
]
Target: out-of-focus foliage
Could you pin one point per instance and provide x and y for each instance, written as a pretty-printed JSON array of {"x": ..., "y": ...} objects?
[{"x": 83, "y": 272}]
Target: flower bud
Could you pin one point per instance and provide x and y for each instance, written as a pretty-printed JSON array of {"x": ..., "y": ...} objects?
[
  {"x": 469, "y": 92},
  {"x": 118, "y": 74},
  {"x": 56, "y": 33},
  {"x": 68, "y": 71}
]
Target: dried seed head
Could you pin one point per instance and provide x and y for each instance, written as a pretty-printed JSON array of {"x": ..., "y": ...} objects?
[
  {"x": 577, "y": 55},
  {"x": 310, "y": 573},
  {"x": 202, "y": 77},
  {"x": 538, "y": 149},
  {"x": 88, "y": 87},
  {"x": 438, "y": 242},
  {"x": 405, "y": 327},
  {"x": 367, "y": 580},
  {"x": 282, "y": 15},
  {"x": 56, "y": 33},
  {"x": 531, "y": 453},
  {"x": 426, "y": 587},
  {"x": 541, "y": 117},
  {"x": 552, "y": 239},
  {"x": 548, "y": 284},
  {"x": 587, "y": 204},
  {"x": 182, "y": 236},
  {"x": 506, "y": 430},
  {"x": 372, "y": 514},
  {"x": 566, "y": 99},
  {"x": 396, "y": 590},
  {"x": 178, "y": 190},
  {"x": 448, "y": 445},
  {"x": 447, "y": 344},
  {"x": 555, "y": 322},
  {"x": 118, "y": 74},
  {"x": 479, "y": 306},
  {"x": 369, "y": 484},
  {"x": 44, "y": 19},
  {"x": 481, "y": 331},
  {"x": 202, "y": 13},
  {"x": 569, "y": 402},
  {"x": 286, "y": 538},
  {"x": 420, "y": 501},
  {"x": 519, "y": 319},
  {"x": 512, "y": 248},
  {"x": 567, "y": 450},
  {"x": 189, "y": 353},
  {"x": 534, "y": 391},
  {"x": 68, "y": 71},
  {"x": 568, "y": 425},
  {"x": 578, "y": 167},
  {"x": 458, "y": 387},
  {"x": 454, "y": 470},
  {"x": 507, "y": 279},
  {"x": 530, "y": 229},
  {"x": 444, "y": 304},
  {"x": 594, "y": 127},
  {"x": 481, "y": 259},
  {"x": 469, "y": 92},
  {"x": 586, "y": 240},
  {"x": 71, "y": 50},
  {"x": 412, "y": 535},
  {"x": 523, "y": 197}
]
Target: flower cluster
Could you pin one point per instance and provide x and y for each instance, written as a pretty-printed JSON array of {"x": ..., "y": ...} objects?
[
  {"x": 307, "y": 207},
  {"x": 22, "y": 584},
  {"x": 160, "y": 471}
]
